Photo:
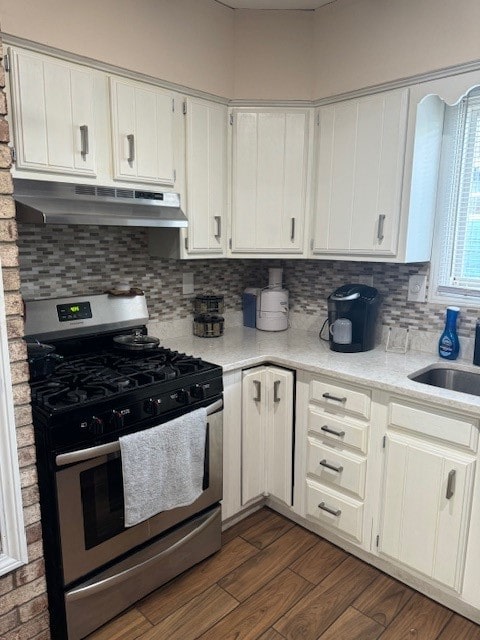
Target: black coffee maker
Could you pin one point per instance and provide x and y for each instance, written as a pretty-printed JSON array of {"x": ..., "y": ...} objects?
[{"x": 352, "y": 317}]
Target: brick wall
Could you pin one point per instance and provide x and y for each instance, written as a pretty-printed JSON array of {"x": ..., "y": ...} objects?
[{"x": 23, "y": 600}]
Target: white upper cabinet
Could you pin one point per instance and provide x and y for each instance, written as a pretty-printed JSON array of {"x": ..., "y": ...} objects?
[
  {"x": 53, "y": 114},
  {"x": 269, "y": 189},
  {"x": 206, "y": 156},
  {"x": 377, "y": 160},
  {"x": 360, "y": 155},
  {"x": 142, "y": 129}
]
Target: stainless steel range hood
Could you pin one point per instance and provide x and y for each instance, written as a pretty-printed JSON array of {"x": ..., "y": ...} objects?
[{"x": 45, "y": 202}]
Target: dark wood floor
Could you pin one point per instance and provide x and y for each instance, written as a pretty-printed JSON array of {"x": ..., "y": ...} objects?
[{"x": 274, "y": 580}]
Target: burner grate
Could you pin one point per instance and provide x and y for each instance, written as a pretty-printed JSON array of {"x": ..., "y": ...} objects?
[{"x": 85, "y": 378}]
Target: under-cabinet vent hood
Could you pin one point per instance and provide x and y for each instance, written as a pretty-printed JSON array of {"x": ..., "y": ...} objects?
[{"x": 45, "y": 202}]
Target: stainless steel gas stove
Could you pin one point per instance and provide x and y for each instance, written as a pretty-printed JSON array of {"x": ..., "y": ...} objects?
[{"x": 101, "y": 388}]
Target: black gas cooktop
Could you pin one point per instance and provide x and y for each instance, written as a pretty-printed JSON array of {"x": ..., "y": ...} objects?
[
  {"x": 93, "y": 377},
  {"x": 95, "y": 395}
]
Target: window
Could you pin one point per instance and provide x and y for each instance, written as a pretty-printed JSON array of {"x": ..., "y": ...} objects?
[{"x": 456, "y": 263}]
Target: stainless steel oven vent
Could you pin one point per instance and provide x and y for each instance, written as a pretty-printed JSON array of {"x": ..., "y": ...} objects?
[
  {"x": 44, "y": 202},
  {"x": 84, "y": 190}
]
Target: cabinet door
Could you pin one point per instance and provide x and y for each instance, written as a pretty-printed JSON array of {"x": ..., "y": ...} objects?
[
  {"x": 270, "y": 153},
  {"x": 206, "y": 176},
  {"x": 142, "y": 121},
  {"x": 279, "y": 434},
  {"x": 360, "y": 150},
  {"x": 54, "y": 126},
  {"x": 253, "y": 433},
  {"x": 426, "y": 506},
  {"x": 232, "y": 443}
]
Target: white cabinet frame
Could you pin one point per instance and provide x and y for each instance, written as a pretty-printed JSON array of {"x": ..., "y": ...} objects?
[{"x": 13, "y": 549}]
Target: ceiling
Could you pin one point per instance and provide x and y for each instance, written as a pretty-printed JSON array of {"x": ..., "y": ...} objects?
[{"x": 274, "y": 4}]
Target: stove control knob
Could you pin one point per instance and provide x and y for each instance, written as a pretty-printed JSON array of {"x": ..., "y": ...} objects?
[
  {"x": 183, "y": 397},
  {"x": 95, "y": 426},
  {"x": 152, "y": 406},
  {"x": 117, "y": 419},
  {"x": 198, "y": 391}
]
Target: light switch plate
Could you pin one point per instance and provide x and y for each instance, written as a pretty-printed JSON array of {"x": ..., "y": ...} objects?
[
  {"x": 188, "y": 284},
  {"x": 417, "y": 288}
]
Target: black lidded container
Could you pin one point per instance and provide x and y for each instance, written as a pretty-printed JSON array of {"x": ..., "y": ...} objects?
[
  {"x": 359, "y": 303},
  {"x": 476, "y": 352}
]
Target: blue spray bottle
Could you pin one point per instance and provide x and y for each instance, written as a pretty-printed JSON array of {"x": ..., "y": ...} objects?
[{"x": 448, "y": 345}]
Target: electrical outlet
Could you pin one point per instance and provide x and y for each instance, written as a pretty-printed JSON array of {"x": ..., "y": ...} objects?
[
  {"x": 188, "y": 284},
  {"x": 417, "y": 288}
]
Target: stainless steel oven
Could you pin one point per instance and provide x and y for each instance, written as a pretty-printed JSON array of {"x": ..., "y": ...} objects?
[
  {"x": 91, "y": 514},
  {"x": 95, "y": 566}
]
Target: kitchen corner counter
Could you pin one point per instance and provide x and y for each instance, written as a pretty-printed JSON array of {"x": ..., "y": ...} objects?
[{"x": 242, "y": 347}]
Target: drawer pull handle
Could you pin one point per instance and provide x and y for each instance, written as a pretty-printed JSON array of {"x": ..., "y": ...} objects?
[
  {"x": 328, "y": 396},
  {"x": 326, "y": 464},
  {"x": 131, "y": 148},
  {"x": 258, "y": 390},
  {"x": 326, "y": 428},
  {"x": 334, "y": 512},
  {"x": 84, "y": 140},
  {"x": 276, "y": 385},
  {"x": 218, "y": 223},
  {"x": 381, "y": 223},
  {"x": 451, "y": 484}
]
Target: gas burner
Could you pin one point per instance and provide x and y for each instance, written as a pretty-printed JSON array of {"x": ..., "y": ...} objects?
[{"x": 91, "y": 376}]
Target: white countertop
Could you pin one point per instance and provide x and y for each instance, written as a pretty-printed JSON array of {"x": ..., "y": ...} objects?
[{"x": 241, "y": 347}]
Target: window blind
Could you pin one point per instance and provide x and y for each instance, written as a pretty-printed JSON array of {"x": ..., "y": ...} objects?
[{"x": 459, "y": 199}]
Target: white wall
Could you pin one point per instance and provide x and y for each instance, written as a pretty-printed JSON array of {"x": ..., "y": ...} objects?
[
  {"x": 273, "y": 55},
  {"x": 340, "y": 47},
  {"x": 185, "y": 41},
  {"x": 363, "y": 42}
]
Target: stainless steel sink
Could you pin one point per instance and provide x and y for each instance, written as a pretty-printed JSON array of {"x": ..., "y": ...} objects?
[{"x": 453, "y": 379}]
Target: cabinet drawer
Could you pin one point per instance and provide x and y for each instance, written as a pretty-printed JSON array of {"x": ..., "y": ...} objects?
[
  {"x": 341, "y": 469},
  {"x": 338, "y": 430},
  {"x": 449, "y": 427},
  {"x": 344, "y": 514},
  {"x": 345, "y": 399}
]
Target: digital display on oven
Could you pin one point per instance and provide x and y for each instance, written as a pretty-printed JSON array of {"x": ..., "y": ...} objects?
[{"x": 74, "y": 311}]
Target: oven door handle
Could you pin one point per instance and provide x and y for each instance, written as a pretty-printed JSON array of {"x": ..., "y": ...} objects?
[{"x": 112, "y": 447}]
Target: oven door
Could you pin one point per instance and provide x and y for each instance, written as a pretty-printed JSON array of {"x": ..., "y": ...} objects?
[{"x": 91, "y": 511}]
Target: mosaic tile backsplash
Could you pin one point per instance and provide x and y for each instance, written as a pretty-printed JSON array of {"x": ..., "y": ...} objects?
[{"x": 71, "y": 260}]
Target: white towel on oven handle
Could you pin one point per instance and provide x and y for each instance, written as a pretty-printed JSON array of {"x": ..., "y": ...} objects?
[{"x": 163, "y": 466}]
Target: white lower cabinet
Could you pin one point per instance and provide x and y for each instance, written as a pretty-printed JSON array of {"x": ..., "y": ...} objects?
[
  {"x": 335, "y": 509},
  {"x": 267, "y": 433},
  {"x": 337, "y": 430},
  {"x": 426, "y": 498},
  {"x": 232, "y": 443}
]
